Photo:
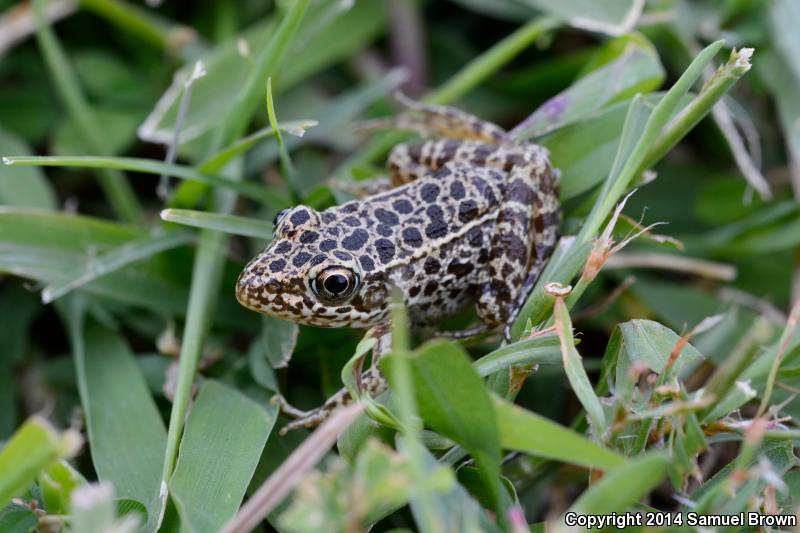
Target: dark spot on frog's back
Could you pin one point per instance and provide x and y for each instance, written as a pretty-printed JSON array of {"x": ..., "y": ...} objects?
[
  {"x": 385, "y": 249},
  {"x": 301, "y": 259},
  {"x": 352, "y": 221},
  {"x": 484, "y": 189},
  {"x": 308, "y": 237},
  {"x": 430, "y": 288},
  {"x": 457, "y": 190},
  {"x": 367, "y": 263},
  {"x": 356, "y": 240},
  {"x": 402, "y": 206},
  {"x": 460, "y": 269},
  {"x": 436, "y": 229},
  {"x": 300, "y": 216},
  {"x": 386, "y": 217},
  {"x": 432, "y": 265},
  {"x": 277, "y": 265},
  {"x": 412, "y": 237},
  {"x": 467, "y": 210},
  {"x": 282, "y": 247},
  {"x": 429, "y": 192},
  {"x": 327, "y": 245}
]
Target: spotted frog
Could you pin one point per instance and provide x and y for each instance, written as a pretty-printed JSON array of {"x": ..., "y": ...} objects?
[{"x": 468, "y": 217}]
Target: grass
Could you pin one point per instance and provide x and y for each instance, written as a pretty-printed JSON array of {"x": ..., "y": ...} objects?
[{"x": 630, "y": 384}]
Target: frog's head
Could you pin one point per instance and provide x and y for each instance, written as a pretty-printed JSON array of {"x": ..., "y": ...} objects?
[{"x": 298, "y": 279}]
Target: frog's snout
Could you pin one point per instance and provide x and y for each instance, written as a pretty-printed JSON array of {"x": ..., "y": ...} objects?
[{"x": 251, "y": 287}]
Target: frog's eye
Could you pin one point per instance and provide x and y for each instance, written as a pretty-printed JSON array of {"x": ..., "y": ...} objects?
[
  {"x": 278, "y": 217},
  {"x": 335, "y": 283}
]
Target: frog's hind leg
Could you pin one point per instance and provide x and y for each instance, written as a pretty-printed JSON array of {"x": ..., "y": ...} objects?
[
  {"x": 438, "y": 121},
  {"x": 524, "y": 238}
]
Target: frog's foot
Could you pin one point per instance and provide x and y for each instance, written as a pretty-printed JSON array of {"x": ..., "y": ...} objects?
[
  {"x": 314, "y": 417},
  {"x": 371, "y": 382}
]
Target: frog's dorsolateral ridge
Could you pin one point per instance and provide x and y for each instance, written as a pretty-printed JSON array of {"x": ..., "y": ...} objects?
[{"x": 471, "y": 220}]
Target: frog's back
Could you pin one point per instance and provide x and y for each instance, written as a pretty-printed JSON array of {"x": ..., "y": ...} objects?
[{"x": 429, "y": 237}]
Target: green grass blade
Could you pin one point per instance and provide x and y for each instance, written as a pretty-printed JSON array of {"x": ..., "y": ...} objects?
[
  {"x": 453, "y": 400},
  {"x": 126, "y": 433},
  {"x": 113, "y": 260},
  {"x": 576, "y": 374},
  {"x": 31, "y": 449},
  {"x": 713, "y": 90},
  {"x": 149, "y": 166},
  {"x": 114, "y": 184},
  {"x": 224, "y": 437},
  {"x": 635, "y": 68},
  {"x": 622, "y": 487},
  {"x": 247, "y": 227},
  {"x": 134, "y": 20},
  {"x": 23, "y": 187},
  {"x": 613, "y": 17},
  {"x": 535, "y": 351},
  {"x": 287, "y": 168},
  {"x": 620, "y": 180},
  {"x": 210, "y": 259},
  {"x": 532, "y": 433},
  {"x": 268, "y": 62},
  {"x": 220, "y": 159}
]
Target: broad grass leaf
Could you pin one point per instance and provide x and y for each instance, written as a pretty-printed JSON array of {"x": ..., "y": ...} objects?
[
  {"x": 649, "y": 343},
  {"x": 18, "y": 308},
  {"x": 634, "y": 69},
  {"x": 622, "y": 487},
  {"x": 56, "y": 484},
  {"x": 224, "y": 437},
  {"x": 784, "y": 19},
  {"x": 612, "y": 17},
  {"x": 279, "y": 339},
  {"x": 324, "y": 38},
  {"x": 779, "y": 457},
  {"x": 30, "y": 450},
  {"x": 126, "y": 433},
  {"x": 453, "y": 400},
  {"x": 17, "y": 519},
  {"x": 528, "y": 432},
  {"x": 455, "y": 509},
  {"x": 576, "y": 374}
]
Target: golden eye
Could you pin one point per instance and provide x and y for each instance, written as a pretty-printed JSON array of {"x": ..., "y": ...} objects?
[{"x": 335, "y": 283}]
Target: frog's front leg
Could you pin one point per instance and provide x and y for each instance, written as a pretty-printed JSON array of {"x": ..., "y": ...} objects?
[{"x": 370, "y": 382}]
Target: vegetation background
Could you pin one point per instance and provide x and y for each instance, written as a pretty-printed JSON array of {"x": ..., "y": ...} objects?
[{"x": 143, "y": 163}]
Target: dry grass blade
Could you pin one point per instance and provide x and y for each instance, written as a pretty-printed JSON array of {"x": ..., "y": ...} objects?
[{"x": 292, "y": 470}]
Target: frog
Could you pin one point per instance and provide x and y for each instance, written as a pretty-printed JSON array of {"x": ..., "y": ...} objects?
[{"x": 467, "y": 217}]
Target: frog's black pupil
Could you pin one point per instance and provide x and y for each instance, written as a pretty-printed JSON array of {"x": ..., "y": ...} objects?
[{"x": 336, "y": 284}]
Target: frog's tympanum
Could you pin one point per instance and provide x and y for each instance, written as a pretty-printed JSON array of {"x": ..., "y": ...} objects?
[{"x": 468, "y": 218}]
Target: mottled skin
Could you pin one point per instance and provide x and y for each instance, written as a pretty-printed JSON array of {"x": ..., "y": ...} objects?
[{"x": 470, "y": 220}]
